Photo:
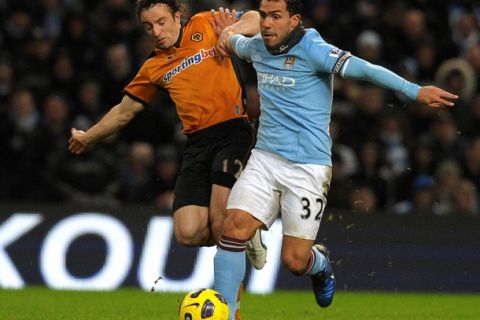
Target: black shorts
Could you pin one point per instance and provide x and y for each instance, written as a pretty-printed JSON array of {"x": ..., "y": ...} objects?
[{"x": 215, "y": 155}]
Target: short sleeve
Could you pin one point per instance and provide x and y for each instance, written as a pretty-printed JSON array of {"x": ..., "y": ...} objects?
[
  {"x": 206, "y": 16},
  {"x": 141, "y": 88}
]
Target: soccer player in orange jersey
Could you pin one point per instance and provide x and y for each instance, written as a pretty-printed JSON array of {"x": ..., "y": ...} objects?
[{"x": 208, "y": 98}]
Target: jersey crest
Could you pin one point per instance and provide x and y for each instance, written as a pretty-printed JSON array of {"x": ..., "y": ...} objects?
[
  {"x": 197, "y": 37},
  {"x": 289, "y": 62}
]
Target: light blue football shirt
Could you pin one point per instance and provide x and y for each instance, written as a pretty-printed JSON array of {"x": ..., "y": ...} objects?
[{"x": 296, "y": 91}]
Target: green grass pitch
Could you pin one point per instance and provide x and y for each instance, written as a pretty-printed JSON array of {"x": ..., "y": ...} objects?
[{"x": 40, "y": 303}]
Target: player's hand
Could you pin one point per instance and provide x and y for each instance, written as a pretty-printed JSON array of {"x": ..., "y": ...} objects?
[
  {"x": 435, "y": 97},
  {"x": 223, "y": 46},
  {"x": 78, "y": 142},
  {"x": 222, "y": 19}
]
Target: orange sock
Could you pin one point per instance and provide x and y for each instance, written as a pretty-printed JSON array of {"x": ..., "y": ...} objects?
[{"x": 239, "y": 296}]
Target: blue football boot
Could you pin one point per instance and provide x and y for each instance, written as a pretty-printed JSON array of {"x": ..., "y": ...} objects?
[{"x": 323, "y": 283}]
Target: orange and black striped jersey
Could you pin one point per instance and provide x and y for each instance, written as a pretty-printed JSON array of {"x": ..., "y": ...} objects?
[{"x": 205, "y": 91}]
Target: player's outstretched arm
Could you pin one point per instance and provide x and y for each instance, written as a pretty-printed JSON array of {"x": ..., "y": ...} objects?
[
  {"x": 359, "y": 69},
  {"x": 112, "y": 122}
]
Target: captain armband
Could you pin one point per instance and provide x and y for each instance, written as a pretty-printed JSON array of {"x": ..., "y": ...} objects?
[{"x": 341, "y": 61}]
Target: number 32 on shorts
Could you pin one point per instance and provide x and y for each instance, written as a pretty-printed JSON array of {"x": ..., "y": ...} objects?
[{"x": 317, "y": 210}]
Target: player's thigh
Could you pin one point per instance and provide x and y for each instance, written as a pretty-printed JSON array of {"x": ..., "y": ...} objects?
[
  {"x": 230, "y": 154},
  {"x": 304, "y": 199},
  {"x": 193, "y": 185},
  {"x": 218, "y": 201},
  {"x": 190, "y": 221},
  {"x": 255, "y": 191},
  {"x": 191, "y": 202}
]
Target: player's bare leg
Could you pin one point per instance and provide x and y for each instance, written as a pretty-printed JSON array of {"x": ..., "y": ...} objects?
[
  {"x": 296, "y": 254},
  {"x": 218, "y": 211},
  {"x": 256, "y": 251},
  {"x": 302, "y": 257},
  {"x": 191, "y": 226}
]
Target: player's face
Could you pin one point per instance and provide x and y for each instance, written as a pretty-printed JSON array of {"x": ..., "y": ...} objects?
[
  {"x": 276, "y": 22},
  {"x": 159, "y": 22}
]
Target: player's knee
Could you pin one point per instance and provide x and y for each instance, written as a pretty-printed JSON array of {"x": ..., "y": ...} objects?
[
  {"x": 186, "y": 240},
  {"x": 190, "y": 236},
  {"x": 296, "y": 263},
  {"x": 238, "y": 226}
]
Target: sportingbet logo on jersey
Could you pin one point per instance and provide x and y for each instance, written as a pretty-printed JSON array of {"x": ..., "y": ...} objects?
[{"x": 187, "y": 62}]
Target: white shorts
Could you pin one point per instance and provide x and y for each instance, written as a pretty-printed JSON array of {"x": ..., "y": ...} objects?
[{"x": 271, "y": 185}]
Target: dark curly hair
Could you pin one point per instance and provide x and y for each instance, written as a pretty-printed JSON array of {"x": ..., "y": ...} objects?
[
  {"x": 174, "y": 5},
  {"x": 293, "y": 6}
]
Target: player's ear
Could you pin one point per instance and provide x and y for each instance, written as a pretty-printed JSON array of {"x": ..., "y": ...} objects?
[
  {"x": 178, "y": 16},
  {"x": 295, "y": 20}
]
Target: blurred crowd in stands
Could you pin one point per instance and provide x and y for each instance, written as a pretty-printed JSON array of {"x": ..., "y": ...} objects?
[{"x": 64, "y": 63}]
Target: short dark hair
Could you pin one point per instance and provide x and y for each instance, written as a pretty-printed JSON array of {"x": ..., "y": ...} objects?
[
  {"x": 175, "y": 5},
  {"x": 293, "y": 6}
]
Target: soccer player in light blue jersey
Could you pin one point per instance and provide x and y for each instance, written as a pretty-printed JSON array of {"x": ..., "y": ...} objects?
[{"x": 289, "y": 170}]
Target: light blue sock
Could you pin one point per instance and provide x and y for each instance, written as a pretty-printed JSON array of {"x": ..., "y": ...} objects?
[
  {"x": 229, "y": 273},
  {"x": 318, "y": 264}
]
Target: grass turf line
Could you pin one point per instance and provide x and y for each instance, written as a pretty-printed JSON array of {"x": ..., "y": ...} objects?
[{"x": 41, "y": 303}]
